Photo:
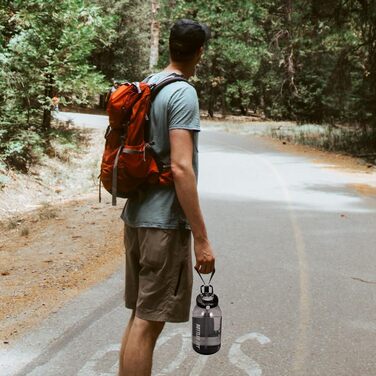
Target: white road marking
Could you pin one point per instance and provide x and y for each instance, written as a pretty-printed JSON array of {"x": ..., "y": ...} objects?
[
  {"x": 236, "y": 356},
  {"x": 90, "y": 367},
  {"x": 185, "y": 346},
  {"x": 242, "y": 361},
  {"x": 199, "y": 365},
  {"x": 183, "y": 353}
]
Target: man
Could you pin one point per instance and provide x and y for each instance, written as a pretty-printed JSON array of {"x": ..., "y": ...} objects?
[
  {"x": 158, "y": 226},
  {"x": 55, "y": 103}
]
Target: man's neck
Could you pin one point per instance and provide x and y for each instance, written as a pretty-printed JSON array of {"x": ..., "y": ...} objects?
[{"x": 187, "y": 70}]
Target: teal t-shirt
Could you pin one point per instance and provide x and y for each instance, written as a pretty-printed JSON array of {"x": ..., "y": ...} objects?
[{"x": 175, "y": 107}]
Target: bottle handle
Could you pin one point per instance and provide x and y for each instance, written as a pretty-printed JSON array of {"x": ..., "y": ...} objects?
[{"x": 202, "y": 279}]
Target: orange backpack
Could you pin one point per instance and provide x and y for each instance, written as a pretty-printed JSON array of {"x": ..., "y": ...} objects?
[{"x": 129, "y": 161}]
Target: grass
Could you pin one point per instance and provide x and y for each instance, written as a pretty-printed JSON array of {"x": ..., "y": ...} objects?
[
  {"x": 358, "y": 142},
  {"x": 66, "y": 141},
  {"x": 3, "y": 181},
  {"x": 13, "y": 223},
  {"x": 26, "y": 147},
  {"x": 47, "y": 211},
  {"x": 25, "y": 231}
]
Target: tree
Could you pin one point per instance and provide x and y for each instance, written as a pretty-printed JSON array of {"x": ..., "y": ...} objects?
[
  {"x": 127, "y": 53},
  {"x": 154, "y": 35},
  {"x": 364, "y": 16},
  {"x": 233, "y": 56},
  {"x": 45, "y": 50},
  {"x": 305, "y": 60}
]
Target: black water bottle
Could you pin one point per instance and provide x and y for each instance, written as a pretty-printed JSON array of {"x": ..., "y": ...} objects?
[{"x": 206, "y": 321}]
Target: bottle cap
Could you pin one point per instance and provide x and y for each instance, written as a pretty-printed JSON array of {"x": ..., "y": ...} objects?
[{"x": 207, "y": 298}]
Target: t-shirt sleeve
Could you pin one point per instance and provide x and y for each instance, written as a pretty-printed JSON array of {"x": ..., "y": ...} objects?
[{"x": 183, "y": 109}]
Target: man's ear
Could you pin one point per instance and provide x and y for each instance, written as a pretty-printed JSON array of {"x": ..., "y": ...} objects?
[{"x": 200, "y": 51}]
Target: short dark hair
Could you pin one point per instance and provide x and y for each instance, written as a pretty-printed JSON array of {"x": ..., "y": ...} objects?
[{"x": 186, "y": 38}]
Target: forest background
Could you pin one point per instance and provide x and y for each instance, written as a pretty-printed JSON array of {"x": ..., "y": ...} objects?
[{"x": 307, "y": 61}]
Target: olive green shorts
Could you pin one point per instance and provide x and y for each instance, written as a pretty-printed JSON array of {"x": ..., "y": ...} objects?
[{"x": 158, "y": 273}]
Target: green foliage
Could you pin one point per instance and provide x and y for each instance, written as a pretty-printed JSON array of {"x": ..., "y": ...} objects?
[
  {"x": 234, "y": 53},
  {"x": 320, "y": 61},
  {"x": 45, "y": 49},
  {"x": 49, "y": 51},
  {"x": 304, "y": 60},
  {"x": 125, "y": 56},
  {"x": 288, "y": 59}
]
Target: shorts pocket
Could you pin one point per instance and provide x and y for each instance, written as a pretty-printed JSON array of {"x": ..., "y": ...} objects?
[
  {"x": 156, "y": 250},
  {"x": 181, "y": 269}
]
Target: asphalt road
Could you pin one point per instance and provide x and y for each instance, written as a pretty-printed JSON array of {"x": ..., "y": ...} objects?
[{"x": 296, "y": 256}]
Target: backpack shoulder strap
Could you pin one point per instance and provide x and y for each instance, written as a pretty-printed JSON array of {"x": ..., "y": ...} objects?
[
  {"x": 166, "y": 81},
  {"x": 146, "y": 79}
]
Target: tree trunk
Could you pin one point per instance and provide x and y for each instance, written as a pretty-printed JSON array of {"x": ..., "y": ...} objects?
[
  {"x": 368, "y": 34},
  {"x": 46, "y": 120},
  {"x": 372, "y": 70},
  {"x": 46, "y": 124},
  {"x": 223, "y": 101},
  {"x": 211, "y": 102},
  {"x": 289, "y": 59},
  {"x": 102, "y": 101},
  {"x": 154, "y": 35}
]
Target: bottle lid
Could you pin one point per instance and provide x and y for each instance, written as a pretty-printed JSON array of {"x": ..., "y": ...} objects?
[{"x": 207, "y": 298}]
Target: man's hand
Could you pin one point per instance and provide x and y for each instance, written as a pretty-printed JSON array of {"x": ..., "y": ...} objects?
[{"x": 205, "y": 260}]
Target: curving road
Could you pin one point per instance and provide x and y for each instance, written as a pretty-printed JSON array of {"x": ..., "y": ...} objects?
[{"x": 296, "y": 251}]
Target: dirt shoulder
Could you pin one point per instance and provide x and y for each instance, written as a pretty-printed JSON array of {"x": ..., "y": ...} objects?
[
  {"x": 62, "y": 177},
  {"x": 50, "y": 255},
  {"x": 55, "y": 238}
]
